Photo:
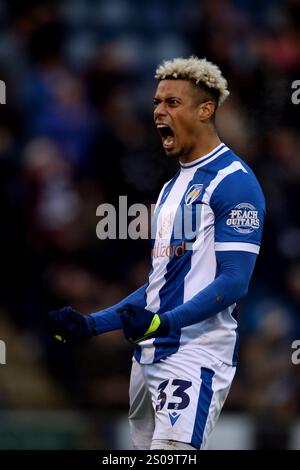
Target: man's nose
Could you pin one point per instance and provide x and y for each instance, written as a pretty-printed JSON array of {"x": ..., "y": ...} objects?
[{"x": 159, "y": 110}]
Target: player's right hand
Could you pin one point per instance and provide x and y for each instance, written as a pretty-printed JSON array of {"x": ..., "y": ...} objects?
[
  {"x": 140, "y": 324},
  {"x": 69, "y": 326}
]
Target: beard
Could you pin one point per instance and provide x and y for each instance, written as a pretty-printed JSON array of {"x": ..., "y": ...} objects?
[
  {"x": 176, "y": 154},
  {"x": 172, "y": 155}
]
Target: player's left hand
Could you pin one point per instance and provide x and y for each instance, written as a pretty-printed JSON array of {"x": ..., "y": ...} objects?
[
  {"x": 140, "y": 324},
  {"x": 69, "y": 326}
]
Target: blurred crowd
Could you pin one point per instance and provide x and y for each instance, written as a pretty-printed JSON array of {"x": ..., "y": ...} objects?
[{"x": 77, "y": 131}]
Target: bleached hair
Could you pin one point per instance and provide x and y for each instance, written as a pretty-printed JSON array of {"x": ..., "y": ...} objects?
[{"x": 196, "y": 70}]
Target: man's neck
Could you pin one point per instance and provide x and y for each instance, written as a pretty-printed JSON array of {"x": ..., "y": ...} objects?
[{"x": 205, "y": 146}]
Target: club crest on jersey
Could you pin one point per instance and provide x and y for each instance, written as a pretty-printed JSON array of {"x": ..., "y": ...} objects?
[
  {"x": 193, "y": 193},
  {"x": 243, "y": 218}
]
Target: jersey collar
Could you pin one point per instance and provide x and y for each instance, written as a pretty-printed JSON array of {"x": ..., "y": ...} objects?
[{"x": 221, "y": 148}]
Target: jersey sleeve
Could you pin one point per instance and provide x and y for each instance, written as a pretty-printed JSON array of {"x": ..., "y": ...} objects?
[
  {"x": 109, "y": 320},
  {"x": 238, "y": 204}
]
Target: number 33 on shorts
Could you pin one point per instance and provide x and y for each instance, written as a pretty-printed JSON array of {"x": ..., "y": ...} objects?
[
  {"x": 180, "y": 387},
  {"x": 173, "y": 400}
]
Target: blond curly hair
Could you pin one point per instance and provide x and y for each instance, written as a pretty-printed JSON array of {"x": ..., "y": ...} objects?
[{"x": 196, "y": 70}]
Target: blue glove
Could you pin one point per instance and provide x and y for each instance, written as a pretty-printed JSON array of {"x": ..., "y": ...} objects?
[
  {"x": 140, "y": 324},
  {"x": 69, "y": 326}
]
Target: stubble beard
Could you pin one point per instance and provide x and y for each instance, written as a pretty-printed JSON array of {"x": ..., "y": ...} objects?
[
  {"x": 177, "y": 154},
  {"x": 174, "y": 154}
]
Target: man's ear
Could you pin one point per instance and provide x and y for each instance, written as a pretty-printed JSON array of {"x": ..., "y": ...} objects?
[{"x": 206, "y": 110}]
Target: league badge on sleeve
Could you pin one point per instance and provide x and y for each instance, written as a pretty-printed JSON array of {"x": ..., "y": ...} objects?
[{"x": 243, "y": 218}]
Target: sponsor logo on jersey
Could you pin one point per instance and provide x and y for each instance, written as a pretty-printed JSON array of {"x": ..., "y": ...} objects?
[
  {"x": 243, "y": 218},
  {"x": 193, "y": 193},
  {"x": 160, "y": 250}
]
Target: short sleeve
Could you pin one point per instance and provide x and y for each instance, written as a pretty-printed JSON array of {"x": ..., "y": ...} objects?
[{"x": 238, "y": 204}]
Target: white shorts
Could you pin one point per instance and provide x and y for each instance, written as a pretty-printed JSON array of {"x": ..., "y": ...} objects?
[{"x": 178, "y": 398}]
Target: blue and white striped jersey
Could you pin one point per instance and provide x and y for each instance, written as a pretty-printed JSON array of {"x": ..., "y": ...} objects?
[{"x": 214, "y": 203}]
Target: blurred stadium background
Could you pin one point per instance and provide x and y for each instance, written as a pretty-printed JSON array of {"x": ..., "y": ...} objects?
[{"x": 77, "y": 131}]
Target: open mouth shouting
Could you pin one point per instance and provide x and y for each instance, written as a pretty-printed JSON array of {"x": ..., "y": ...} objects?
[{"x": 167, "y": 135}]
